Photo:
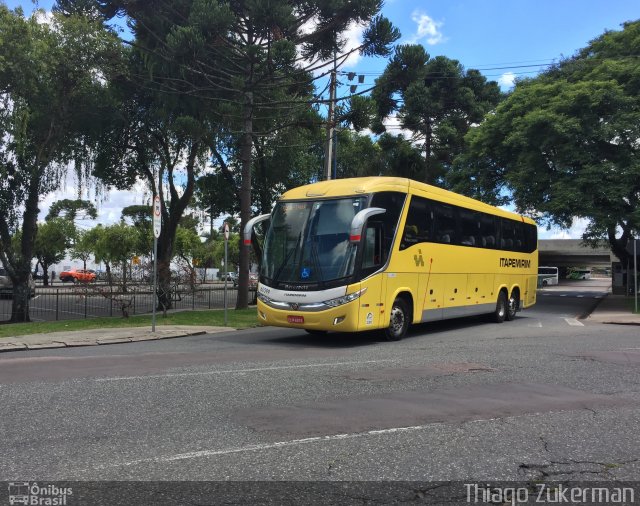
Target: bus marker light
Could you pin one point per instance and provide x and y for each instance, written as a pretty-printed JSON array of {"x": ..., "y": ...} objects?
[
  {"x": 338, "y": 320},
  {"x": 295, "y": 319}
]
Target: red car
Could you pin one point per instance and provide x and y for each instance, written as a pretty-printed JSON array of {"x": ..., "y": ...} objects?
[{"x": 78, "y": 276}]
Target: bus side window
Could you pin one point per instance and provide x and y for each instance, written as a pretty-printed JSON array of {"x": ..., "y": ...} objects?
[
  {"x": 418, "y": 223},
  {"x": 469, "y": 227},
  {"x": 444, "y": 230},
  {"x": 372, "y": 254}
]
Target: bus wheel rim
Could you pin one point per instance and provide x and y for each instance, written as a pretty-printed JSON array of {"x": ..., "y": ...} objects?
[{"x": 397, "y": 320}]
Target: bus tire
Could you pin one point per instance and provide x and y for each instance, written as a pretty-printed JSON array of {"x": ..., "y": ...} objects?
[
  {"x": 512, "y": 306},
  {"x": 500, "y": 313},
  {"x": 544, "y": 283},
  {"x": 399, "y": 320}
]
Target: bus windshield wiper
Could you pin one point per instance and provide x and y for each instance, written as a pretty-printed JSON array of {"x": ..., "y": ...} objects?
[
  {"x": 276, "y": 276},
  {"x": 316, "y": 258}
]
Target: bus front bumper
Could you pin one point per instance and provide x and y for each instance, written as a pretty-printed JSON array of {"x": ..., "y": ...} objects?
[{"x": 343, "y": 318}]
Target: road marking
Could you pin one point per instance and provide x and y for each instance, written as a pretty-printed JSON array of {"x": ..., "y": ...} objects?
[
  {"x": 573, "y": 322},
  {"x": 237, "y": 371},
  {"x": 294, "y": 442},
  {"x": 269, "y": 446}
]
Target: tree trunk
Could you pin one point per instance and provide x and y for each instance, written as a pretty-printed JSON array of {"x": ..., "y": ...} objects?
[
  {"x": 124, "y": 276},
  {"x": 427, "y": 149},
  {"x": 246, "y": 147},
  {"x": 22, "y": 265},
  {"x": 20, "y": 305},
  {"x": 45, "y": 276},
  {"x": 170, "y": 220},
  {"x": 164, "y": 272},
  {"x": 619, "y": 246}
]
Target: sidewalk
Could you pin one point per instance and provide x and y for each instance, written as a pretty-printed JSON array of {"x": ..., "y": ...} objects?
[
  {"x": 614, "y": 309},
  {"x": 96, "y": 337},
  {"x": 611, "y": 309}
]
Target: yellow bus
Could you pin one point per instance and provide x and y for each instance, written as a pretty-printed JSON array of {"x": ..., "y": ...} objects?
[{"x": 359, "y": 254}]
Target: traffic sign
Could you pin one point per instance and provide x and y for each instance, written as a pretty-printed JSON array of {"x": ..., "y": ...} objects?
[
  {"x": 157, "y": 221},
  {"x": 226, "y": 231}
]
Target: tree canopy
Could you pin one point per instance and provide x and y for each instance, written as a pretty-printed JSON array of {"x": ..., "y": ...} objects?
[
  {"x": 251, "y": 62},
  {"x": 566, "y": 144},
  {"x": 437, "y": 100},
  {"x": 51, "y": 94}
]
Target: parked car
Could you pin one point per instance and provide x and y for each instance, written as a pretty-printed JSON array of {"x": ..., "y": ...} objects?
[
  {"x": 78, "y": 275},
  {"x": 6, "y": 286},
  {"x": 253, "y": 280},
  {"x": 230, "y": 276}
]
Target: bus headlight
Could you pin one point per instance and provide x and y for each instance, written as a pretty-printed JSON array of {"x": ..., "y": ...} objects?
[
  {"x": 339, "y": 301},
  {"x": 263, "y": 298}
]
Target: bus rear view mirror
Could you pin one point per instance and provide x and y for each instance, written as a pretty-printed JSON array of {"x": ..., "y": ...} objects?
[
  {"x": 359, "y": 220},
  {"x": 248, "y": 228}
]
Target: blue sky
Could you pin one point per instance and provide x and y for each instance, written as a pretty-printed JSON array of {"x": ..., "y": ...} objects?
[
  {"x": 502, "y": 33},
  {"x": 505, "y": 39},
  {"x": 490, "y": 33}
]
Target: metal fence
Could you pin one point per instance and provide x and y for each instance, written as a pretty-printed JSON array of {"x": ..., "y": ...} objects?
[{"x": 98, "y": 300}]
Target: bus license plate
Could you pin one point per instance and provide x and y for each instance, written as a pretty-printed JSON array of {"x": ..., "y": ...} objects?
[{"x": 295, "y": 319}]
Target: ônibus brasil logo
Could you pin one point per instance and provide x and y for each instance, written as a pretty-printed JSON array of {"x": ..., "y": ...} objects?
[{"x": 30, "y": 493}]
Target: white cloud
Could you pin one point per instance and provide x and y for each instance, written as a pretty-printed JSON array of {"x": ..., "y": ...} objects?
[
  {"x": 393, "y": 126},
  {"x": 43, "y": 17},
  {"x": 353, "y": 39},
  {"x": 576, "y": 230},
  {"x": 507, "y": 81},
  {"x": 109, "y": 205},
  {"x": 428, "y": 29}
]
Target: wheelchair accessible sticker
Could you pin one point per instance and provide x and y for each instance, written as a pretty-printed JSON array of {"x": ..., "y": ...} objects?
[{"x": 305, "y": 273}]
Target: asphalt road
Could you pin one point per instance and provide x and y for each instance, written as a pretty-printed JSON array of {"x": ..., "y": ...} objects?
[{"x": 547, "y": 396}]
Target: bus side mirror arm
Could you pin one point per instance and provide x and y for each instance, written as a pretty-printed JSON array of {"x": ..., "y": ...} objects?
[
  {"x": 248, "y": 228},
  {"x": 359, "y": 220}
]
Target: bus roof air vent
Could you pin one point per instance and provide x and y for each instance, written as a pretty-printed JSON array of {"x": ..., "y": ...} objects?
[{"x": 316, "y": 193}]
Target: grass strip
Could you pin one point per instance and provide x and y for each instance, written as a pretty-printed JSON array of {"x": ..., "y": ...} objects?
[{"x": 240, "y": 319}]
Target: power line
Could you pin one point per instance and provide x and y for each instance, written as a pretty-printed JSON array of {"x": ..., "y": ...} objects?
[{"x": 522, "y": 64}]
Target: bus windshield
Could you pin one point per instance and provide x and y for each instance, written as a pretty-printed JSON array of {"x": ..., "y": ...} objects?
[{"x": 308, "y": 241}]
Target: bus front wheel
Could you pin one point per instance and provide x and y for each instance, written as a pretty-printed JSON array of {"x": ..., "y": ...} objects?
[
  {"x": 500, "y": 313},
  {"x": 398, "y": 321}
]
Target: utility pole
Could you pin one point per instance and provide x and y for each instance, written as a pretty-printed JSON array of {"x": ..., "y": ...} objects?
[{"x": 328, "y": 155}]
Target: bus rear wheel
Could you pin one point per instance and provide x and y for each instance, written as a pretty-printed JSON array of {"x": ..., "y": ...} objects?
[
  {"x": 500, "y": 313},
  {"x": 398, "y": 321},
  {"x": 512, "y": 307}
]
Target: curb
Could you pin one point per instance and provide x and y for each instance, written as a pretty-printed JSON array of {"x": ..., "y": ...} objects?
[{"x": 71, "y": 343}]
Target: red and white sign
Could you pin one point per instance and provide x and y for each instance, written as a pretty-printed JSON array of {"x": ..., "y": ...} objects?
[
  {"x": 157, "y": 221},
  {"x": 295, "y": 319},
  {"x": 226, "y": 231}
]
